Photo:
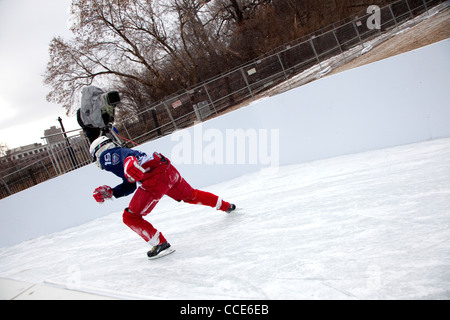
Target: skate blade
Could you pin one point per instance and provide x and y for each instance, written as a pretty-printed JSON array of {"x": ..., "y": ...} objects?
[
  {"x": 163, "y": 254},
  {"x": 235, "y": 210}
]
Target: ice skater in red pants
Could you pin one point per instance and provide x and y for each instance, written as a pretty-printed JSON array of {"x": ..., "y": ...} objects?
[{"x": 153, "y": 176}]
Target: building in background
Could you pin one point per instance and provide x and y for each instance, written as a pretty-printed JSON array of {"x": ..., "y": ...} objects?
[
  {"x": 25, "y": 154},
  {"x": 54, "y": 136}
]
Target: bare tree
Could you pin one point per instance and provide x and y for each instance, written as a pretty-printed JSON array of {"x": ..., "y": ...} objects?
[
  {"x": 150, "y": 49},
  {"x": 113, "y": 39}
]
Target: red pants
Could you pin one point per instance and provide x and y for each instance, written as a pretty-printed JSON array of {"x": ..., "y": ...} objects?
[{"x": 170, "y": 183}]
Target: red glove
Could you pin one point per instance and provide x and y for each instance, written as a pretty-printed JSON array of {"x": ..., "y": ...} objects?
[
  {"x": 133, "y": 171},
  {"x": 102, "y": 193}
]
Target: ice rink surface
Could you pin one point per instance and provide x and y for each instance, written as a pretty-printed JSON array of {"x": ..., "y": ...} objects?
[{"x": 374, "y": 225}]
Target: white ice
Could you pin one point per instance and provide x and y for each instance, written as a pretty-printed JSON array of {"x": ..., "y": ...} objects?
[{"x": 373, "y": 225}]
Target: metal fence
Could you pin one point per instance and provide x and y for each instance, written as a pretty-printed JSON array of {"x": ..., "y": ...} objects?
[
  {"x": 286, "y": 67},
  {"x": 293, "y": 64},
  {"x": 66, "y": 154}
]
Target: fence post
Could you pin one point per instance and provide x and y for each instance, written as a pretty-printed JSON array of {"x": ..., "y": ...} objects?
[
  {"x": 425, "y": 6},
  {"x": 126, "y": 130},
  {"x": 53, "y": 160},
  {"x": 209, "y": 97},
  {"x": 410, "y": 11},
  {"x": 393, "y": 17},
  {"x": 337, "y": 41},
  {"x": 6, "y": 186},
  {"x": 152, "y": 112},
  {"x": 246, "y": 82},
  {"x": 357, "y": 32},
  {"x": 284, "y": 71},
  {"x": 315, "y": 53},
  {"x": 45, "y": 168},
  {"x": 170, "y": 115}
]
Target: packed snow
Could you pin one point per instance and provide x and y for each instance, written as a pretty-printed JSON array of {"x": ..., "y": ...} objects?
[{"x": 373, "y": 225}]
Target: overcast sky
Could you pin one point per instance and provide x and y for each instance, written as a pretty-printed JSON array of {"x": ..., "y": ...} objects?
[{"x": 26, "y": 29}]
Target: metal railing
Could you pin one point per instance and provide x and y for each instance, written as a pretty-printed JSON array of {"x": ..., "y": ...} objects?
[
  {"x": 291, "y": 65},
  {"x": 60, "y": 156},
  {"x": 286, "y": 67}
]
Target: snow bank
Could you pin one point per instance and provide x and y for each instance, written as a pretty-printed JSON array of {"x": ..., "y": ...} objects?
[{"x": 400, "y": 100}]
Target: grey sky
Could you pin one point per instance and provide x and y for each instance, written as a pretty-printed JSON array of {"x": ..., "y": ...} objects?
[{"x": 26, "y": 29}]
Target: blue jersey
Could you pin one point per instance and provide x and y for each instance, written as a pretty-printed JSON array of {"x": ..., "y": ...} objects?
[{"x": 113, "y": 160}]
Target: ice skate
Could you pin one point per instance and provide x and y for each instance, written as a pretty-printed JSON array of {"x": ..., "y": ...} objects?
[
  {"x": 160, "y": 251},
  {"x": 231, "y": 208}
]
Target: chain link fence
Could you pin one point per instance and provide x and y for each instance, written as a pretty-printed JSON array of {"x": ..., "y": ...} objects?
[{"x": 289, "y": 66}]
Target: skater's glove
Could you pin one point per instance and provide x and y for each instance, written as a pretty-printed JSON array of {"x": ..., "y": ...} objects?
[
  {"x": 133, "y": 171},
  {"x": 102, "y": 193}
]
